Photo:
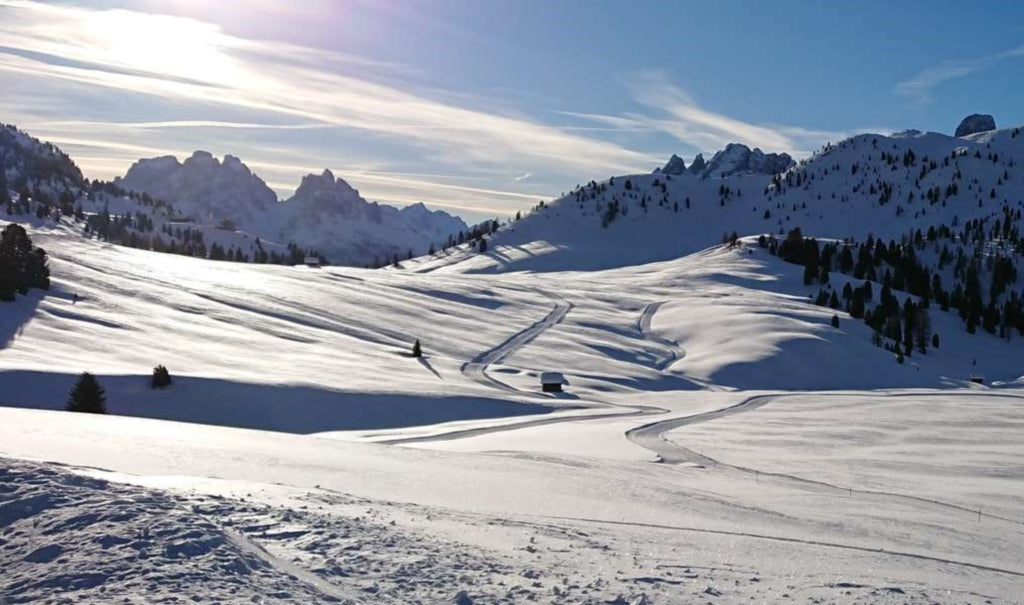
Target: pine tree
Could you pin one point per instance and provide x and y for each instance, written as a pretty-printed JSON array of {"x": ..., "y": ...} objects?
[
  {"x": 87, "y": 396},
  {"x": 835, "y": 321},
  {"x": 417, "y": 351},
  {"x": 161, "y": 378}
]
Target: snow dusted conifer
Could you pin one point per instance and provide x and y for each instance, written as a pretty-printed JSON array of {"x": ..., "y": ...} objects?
[{"x": 87, "y": 396}]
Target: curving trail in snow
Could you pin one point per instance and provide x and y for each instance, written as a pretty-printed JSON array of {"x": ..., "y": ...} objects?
[
  {"x": 476, "y": 368},
  {"x": 784, "y": 539},
  {"x": 653, "y": 436},
  {"x": 643, "y": 326}
]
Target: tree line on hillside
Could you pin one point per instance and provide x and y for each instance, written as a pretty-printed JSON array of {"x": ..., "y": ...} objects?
[
  {"x": 981, "y": 256},
  {"x": 138, "y": 229},
  {"x": 896, "y": 176},
  {"x": 475, "y": 236}
]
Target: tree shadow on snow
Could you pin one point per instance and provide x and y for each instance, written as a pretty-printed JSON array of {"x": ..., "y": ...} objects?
[
  {"x": 14, "y": 315},
  {"x": 285, "y": 408}
]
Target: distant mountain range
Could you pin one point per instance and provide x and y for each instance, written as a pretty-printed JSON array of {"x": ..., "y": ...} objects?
[{"x": 325, "y": 213}]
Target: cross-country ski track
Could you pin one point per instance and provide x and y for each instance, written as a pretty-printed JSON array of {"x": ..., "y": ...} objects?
[{"x": 653, "y": 436}]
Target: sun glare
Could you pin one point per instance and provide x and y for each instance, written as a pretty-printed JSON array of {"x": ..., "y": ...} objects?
[{"x": 172, "y": 46}]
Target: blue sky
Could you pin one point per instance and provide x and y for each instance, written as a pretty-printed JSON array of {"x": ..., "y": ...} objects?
[{"x": 483, "y": 108}]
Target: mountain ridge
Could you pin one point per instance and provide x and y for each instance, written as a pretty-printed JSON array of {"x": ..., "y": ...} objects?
[{"x": 325, "y": 212}]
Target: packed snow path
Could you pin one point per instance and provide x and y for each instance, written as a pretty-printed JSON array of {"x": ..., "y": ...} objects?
[
  {"x": 654, "y": 437},
  {"x": 476, "y": 369},
  {"x": 643, "y": 326}
]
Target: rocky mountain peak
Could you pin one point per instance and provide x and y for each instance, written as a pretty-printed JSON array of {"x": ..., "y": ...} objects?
[
  {"x": 737, "y": 158},
  {"x": 975, "y": 123},
  {"x": 698, "y": 165},
  {"x": 203, "y": 187},
  {"x": 675, "y": 166}
]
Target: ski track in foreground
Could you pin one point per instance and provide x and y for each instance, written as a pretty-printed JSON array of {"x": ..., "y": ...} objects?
[
  {"x": 653, "y": 437},
  {"x": 866, "y": 549}
]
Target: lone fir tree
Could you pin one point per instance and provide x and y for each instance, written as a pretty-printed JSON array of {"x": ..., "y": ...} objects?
[
  {"x": 161, "y": 378},
  {"x": 417, "y": 351},
  {"x": 87, "y": 396}
]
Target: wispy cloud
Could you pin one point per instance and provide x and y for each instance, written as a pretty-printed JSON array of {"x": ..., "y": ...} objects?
[
  {"x": 174, "y": 58},
  {"x": 113, "y": 85},
  {"x": 919, "y": 87},
  {"x": 673, "y": 111}
]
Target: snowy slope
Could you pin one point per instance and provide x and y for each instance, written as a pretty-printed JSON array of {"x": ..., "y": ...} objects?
[
  {"x": 702, "y": 452},
  {"x": 834, "y": 194},
  {"x": 336, "y": 339},
  {"x": 320, "y": 519},
  {"x": 563, "y": 506}
]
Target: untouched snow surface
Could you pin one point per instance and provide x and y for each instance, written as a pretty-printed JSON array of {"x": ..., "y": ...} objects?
[{"x": 666, "y": 473}]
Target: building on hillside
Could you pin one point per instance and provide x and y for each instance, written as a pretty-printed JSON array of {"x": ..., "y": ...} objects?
[
  {"x": 551, "y": 382},
  {"x": 312, "y": 261}
]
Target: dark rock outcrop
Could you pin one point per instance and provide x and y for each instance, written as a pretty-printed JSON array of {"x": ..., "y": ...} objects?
[
  {"x": 975, "y": 123},
  {"x": 675, "y": 166}
]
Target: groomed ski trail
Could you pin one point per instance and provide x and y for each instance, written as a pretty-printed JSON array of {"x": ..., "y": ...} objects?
[{"x": 476, "y": 368}]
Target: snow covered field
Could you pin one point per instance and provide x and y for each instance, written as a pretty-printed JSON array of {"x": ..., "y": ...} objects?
[{"x": 344, "y": 470}]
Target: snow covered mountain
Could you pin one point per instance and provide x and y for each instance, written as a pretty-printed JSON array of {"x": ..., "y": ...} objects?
[
  {"x": 735, "y": 159},
  {"x": 329, "y": 214},
  {"x": 204, "y": 188},
  {"x": 874, "y": 184},
  {"x": 26, "y": 162},
  {"x": 325, "y": 213}
]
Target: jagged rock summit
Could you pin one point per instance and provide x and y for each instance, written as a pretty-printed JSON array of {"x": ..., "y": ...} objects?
[
  {"x": 735, "y": 159},
  {"x": 675, "y": 166},
  {"x": 329, "y": 214},
  {"x": 325, "y": 213},
  {"x": 975, "y": 123},
  {"x": 698, "y": 164},
  {"x": 204, "y": 187}
]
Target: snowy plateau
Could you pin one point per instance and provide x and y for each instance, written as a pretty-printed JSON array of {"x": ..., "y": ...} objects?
[{"x": 748, "y": 415}]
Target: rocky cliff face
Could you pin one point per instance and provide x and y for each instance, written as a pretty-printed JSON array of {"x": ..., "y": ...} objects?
[
  {"x": 204, "y": 187},
  {"x": 675, "y": 166},
  {"x": 325, "y": 213},
  {"x": 974, "y": 124},
  {"x": 740, "y": 159},
  {"x": 328, "y": 214},
  {"x": 735, "y": 159}
]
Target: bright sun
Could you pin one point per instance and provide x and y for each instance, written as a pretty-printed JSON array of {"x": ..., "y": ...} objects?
[{"x": 172, "y": 46}]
